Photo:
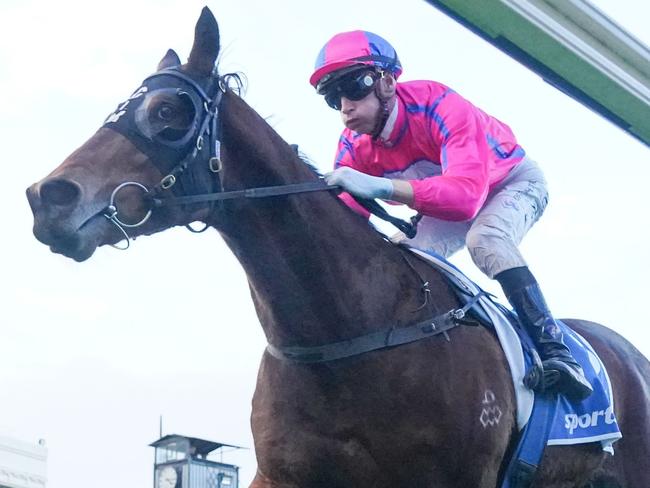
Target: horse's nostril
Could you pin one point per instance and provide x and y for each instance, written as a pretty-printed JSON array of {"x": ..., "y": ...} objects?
[{"x": 59, "y": 192}]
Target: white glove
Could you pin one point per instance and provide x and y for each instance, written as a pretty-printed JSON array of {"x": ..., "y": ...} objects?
[{"x": 360, "y": 184}]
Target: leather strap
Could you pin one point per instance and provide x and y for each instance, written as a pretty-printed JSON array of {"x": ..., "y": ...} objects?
[
  {"x": 376, "y": 340},
  {"x": 409, "y": 228},
  {"x": 259, "y": 192}
]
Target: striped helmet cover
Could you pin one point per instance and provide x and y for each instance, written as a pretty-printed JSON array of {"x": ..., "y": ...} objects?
[{"x": 354, "y": 48}]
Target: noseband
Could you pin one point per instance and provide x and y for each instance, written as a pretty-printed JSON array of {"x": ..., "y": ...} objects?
[{"x": 205, "y": 129}]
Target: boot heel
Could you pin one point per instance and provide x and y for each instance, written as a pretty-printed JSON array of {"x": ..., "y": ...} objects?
[
  {"x": 550, "y": 380},
  {"x": 542, "y": 381},
  {"x": 534, "y": 377}
]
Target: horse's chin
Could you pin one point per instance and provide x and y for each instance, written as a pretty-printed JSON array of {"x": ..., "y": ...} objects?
[
  {"x": 81, "y": 244},
  {"x": 74, "y": 249}
]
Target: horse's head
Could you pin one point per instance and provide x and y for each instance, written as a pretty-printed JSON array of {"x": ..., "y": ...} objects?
[{"x": 162, "y": 139}]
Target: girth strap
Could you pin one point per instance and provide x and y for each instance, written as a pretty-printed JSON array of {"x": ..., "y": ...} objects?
[{"x": 375, "y": 340}]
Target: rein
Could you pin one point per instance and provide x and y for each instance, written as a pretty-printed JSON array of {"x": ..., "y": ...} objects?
[
  {"x": 259, "y": 192},
  {"x": 409, "y": 228}
]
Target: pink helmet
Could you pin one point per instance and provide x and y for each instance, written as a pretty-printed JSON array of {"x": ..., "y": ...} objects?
[{"x": 352, "y": 49}]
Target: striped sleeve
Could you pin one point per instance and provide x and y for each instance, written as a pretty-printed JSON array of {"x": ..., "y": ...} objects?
[{"x": 459, "y": 193}]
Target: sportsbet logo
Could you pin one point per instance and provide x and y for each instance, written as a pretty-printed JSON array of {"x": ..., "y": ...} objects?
[{"x": 573, "y": 421}]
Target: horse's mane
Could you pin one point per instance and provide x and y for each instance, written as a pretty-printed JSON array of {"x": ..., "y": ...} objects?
[
  {"x": 307, "y": 160},
  {"x": 235, "y": 82}
]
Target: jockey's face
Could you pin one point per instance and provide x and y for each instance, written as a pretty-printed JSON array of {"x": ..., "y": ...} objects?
[{"x": 362, "y": 115}]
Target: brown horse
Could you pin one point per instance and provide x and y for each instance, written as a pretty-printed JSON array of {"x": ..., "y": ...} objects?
[{"x": 318, "y": 274}]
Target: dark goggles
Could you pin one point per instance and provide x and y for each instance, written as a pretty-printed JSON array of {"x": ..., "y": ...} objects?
[{"x": 354, "y": 86}]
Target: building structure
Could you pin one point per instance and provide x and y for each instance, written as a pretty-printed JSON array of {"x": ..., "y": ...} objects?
[
  {"x": 573, "y": 46},
  {"x": 182, "y": 462},
  {"x": 22, "y": 464}
]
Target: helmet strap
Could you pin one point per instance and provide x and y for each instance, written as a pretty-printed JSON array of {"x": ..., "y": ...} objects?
[{"x": 382, "y": 117}]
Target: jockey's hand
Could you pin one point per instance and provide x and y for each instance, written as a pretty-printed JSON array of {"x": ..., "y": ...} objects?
[{"x": 360, "y": 184}]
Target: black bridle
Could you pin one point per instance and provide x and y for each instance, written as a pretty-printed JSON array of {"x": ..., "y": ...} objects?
[{"x": 204, "y": 134}]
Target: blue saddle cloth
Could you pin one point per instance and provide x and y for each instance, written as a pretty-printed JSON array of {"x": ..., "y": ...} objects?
[
  {"x": 592, "y": 419},
  {"x": 554, "y": 420}
]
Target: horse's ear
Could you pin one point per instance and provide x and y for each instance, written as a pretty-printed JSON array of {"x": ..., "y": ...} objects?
[
  {"x": 206, "y": 44},
  {"x": 170, "y": 60}
]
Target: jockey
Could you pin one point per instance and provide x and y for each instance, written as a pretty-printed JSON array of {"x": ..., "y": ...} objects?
[{"x": 422, "y": 144}]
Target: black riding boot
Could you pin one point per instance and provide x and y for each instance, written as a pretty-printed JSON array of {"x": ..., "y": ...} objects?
[{"x": 525, "y": 296}]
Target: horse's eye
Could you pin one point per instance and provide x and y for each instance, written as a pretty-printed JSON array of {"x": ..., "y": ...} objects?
[{"x": 165, "y": 113}]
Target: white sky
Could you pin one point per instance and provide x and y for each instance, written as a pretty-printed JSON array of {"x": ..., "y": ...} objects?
[{"x": 93, "y": 353}]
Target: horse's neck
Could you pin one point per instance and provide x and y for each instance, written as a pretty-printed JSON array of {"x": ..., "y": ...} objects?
[{"x": 317, "y": 272}]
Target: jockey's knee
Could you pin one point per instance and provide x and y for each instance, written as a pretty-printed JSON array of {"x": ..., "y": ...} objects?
[{"x": 492, "y": 250}]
